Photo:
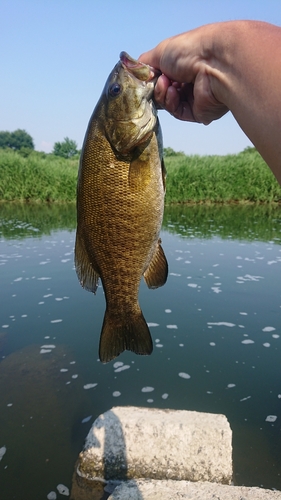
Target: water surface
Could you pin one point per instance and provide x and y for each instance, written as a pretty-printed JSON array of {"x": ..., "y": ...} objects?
[{"x": 215, "y": 327}]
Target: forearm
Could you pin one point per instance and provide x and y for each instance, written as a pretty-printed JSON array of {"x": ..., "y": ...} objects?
[
  {"x": 232, "y": 66},
  {"x": 245, "y": 75}
]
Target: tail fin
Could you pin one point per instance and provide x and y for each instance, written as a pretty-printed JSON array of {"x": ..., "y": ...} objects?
[{"x": 133, "y": 334}]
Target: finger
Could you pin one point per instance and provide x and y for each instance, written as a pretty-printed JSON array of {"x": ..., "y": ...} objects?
[
  {"x": 161, "y": 87},
  {"x": 153, "y": 56},
  {"x": 170, "y": 99}
]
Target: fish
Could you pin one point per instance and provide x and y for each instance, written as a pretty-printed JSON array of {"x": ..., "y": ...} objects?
[{"x": 120, "y": 204}]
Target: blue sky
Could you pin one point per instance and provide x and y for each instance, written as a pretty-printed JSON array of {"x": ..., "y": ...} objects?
[{"x": 55, "y": 56}]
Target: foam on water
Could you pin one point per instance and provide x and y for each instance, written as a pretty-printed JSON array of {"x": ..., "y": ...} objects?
[
  {"x": 2, "y": 452},
  {"x": 86, "y": 419},
  {"x": 248, "y": 277},
  {"x": 221, "y": 323},
  {"x": 63, "y": 490},
  {"x": 271, "y": 418},
  {"x": 117, "y": 364},
  {"x": 52, "y": 495},
  {"x": 122, "y": 368},
  {"x": 147, "y": 389},
  {"x": 184, "y": 375},
  {"x": 89, "y": 386}
]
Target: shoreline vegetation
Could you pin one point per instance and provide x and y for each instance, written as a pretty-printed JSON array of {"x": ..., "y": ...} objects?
[{"x": 238, "y": 178}]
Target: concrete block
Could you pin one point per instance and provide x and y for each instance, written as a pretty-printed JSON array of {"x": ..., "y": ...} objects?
[
  {"x": 131, "y": 442},
  {"x": 176, "y": 490}
]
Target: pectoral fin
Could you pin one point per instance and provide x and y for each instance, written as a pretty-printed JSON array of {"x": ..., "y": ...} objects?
[
  {"x": 87, "y": 276},
  {"x": 157, "y": 271}
]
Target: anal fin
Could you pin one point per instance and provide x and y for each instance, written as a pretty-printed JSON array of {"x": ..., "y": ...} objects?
[
  {"x": 87, "y": 276},
  {"x": 156, "y": 273}
]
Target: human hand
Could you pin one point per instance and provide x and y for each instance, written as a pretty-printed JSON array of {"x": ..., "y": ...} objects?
[{"x": 187, "y": 86}]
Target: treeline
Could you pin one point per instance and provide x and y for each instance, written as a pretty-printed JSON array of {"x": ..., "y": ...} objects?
[
  {"x": 239, "y": 178},
  {"x": 22, "y": 142}
]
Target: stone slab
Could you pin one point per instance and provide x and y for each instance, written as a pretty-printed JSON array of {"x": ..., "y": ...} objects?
[
  {"x": 132, "y": 442},
  {"x": 177, "y": 490}
]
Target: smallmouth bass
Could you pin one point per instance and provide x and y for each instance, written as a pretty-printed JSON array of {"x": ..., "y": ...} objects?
[{"x": 120, "y": 204}]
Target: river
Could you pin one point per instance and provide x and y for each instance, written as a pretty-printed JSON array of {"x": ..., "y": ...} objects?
[{"x": 215, "y": 326}]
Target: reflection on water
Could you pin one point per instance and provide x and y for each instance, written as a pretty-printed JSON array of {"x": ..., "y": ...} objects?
[
  {"x": 22, "y": 220},
  {"x": 215, "y": 326},
  {"x": 241, "y": 222}
]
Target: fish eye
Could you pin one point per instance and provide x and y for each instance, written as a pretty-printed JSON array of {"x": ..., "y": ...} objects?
[{"x": 115, "y": 89}]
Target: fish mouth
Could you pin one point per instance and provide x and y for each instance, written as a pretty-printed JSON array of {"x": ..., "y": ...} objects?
[{"x": 138, "y": 69}]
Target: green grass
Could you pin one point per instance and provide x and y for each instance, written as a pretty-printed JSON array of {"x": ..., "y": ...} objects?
[
  {"x": 242, "y": 178},
  {"x": 37, "y": 177}
]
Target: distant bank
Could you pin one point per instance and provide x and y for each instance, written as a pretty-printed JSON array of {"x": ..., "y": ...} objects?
[{"x": 240, "y": 178}]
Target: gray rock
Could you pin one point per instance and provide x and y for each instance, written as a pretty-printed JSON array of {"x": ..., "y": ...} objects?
[
  {"x": 131, "y": 442},
  {"x": 176, "y": 490}
]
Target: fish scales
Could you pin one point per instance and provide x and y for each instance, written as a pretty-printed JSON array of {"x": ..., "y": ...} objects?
[{"x": 120, "y": 203}]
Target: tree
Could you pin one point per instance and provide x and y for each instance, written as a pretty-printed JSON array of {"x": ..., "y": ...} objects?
[
  {"x": 66, "y": 149},
  {"x": 171, "y": 152},
  {"x": 16, "y": 140}
]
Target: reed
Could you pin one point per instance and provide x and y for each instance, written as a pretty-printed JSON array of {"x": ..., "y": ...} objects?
[
  {"x": 242, "y": 178},
  {"x": 37, "y": 177}
]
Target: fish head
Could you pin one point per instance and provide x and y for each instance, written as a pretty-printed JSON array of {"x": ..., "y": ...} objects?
[{"x": 130, "y": 115}]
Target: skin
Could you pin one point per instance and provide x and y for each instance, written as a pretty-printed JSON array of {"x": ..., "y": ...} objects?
[{"x": 225, "y": 66}]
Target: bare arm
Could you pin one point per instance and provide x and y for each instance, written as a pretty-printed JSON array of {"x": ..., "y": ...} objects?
[{"x": 232, "y": 66}]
